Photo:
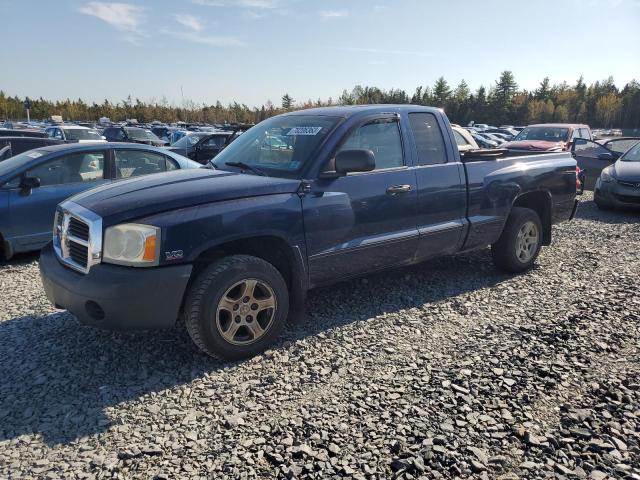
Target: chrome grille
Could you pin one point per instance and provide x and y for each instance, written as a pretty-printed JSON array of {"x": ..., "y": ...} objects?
[{"x": 77, "y": 237}]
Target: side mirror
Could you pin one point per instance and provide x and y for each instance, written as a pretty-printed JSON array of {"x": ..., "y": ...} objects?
[
  {"x": 348, "y": 161},
  {"x": 29, "y": 183},
  {"x": 605, "y": 156}
]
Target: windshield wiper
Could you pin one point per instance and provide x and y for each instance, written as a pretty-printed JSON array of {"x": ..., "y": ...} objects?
[{"x": 246, "y": 166}]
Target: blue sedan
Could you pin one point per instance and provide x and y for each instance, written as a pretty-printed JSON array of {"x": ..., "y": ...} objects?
[{"x": 34, "y": 182}]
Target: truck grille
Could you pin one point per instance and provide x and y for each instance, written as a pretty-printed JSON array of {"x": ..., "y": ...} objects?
[
  {"x": 77, "y": 237},
  {"x": 78, "y": 253},
  {"x": 78, "y": 229}
]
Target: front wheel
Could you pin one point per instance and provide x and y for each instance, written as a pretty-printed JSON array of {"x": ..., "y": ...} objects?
[
  {"x": 601, "y": 204},
  {"x": 236, "y": 307},
  {"x": 519, "y": 245}
]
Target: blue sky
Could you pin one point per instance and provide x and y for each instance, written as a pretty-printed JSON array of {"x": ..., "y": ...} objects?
[{"x": 256, "y": 50}]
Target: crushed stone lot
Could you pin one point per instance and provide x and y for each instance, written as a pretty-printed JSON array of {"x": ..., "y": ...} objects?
[{"x": 447, "y": 369}]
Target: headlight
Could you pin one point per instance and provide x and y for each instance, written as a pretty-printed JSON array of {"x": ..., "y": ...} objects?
[
  {"x": 132, "y": 244},
  {"x": 606, "y": 176}
]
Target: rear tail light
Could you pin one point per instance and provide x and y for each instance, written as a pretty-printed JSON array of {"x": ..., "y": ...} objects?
[{"x": 579, "y": 177}]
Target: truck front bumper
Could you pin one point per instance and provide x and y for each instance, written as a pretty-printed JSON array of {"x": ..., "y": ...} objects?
[{"x": 114, "y": 297}]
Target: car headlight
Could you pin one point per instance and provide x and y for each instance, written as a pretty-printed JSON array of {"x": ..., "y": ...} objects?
[
  {"x": 132, "y": 244},
  {"x": 606, "y": 176}
]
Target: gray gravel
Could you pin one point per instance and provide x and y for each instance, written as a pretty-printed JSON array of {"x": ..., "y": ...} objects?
[{"x": 445, "y": 370}]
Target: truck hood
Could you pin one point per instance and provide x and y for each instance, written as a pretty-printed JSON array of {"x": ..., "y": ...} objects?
[
  {"x": 627, "y": 171},
  {"x": 535, "y": 145},
  {"x": 142, "y": 196}
]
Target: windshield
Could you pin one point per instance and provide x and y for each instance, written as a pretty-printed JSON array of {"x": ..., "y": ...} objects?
[
  {"x": 633, "y": 155},
  {"x": 549, "y": 134},
  {"x": 188, "y": 140},
  {"x": 10, "y": 164},
  {"x": 81, "y": 134},
  {"x": 279, "y": 144},
  {"x": 141, "y": 134}
]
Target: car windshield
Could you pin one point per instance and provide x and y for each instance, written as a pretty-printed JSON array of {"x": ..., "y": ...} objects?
[
  {"x": 141, "y": 134},
  {"x": 81, "y": 134},
  {"x": 632, "y": 155},
  {"x": 549, "y": 134},
  {"x": 10, "y": 164},
  {"x": 188, "y": 140},
  {"x": 279, "y": 144}
]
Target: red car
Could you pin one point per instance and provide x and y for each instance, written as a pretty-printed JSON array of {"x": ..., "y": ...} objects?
[{"x": 548, "y": 137}]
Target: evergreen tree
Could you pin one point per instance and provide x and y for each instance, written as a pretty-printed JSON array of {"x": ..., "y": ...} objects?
[
  {"x": 502, "y": 95},
  {"x": 544, "y": 90},
  {"x": 441, "y": 92},
  {"x": 287, "y": 101}
]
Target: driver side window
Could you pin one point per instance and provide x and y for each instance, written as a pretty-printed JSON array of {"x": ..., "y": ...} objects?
[{"x": 382, "y": 138}]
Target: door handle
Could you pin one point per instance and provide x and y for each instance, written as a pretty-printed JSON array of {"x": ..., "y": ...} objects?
[{"x": 395, "y": 189}]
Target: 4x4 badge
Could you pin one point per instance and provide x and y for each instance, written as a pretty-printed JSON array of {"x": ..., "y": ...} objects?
[{"x": 174, "y": 255}]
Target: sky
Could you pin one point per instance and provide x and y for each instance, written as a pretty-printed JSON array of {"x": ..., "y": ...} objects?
[{"x": 252, "y": 51}]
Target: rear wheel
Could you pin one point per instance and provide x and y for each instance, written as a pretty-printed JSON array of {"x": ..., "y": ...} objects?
[
  {"x": 236, "y": 307},
  {"x": 519, "y": 245}
]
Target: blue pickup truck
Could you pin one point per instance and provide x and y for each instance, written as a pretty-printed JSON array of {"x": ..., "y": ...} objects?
[{"x": 300, "y": 200}]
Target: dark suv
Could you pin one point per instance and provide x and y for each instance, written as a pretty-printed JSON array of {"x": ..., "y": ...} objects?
[
  {"x": 133, "y": 135},
  {"x": 202, "y": 146}
]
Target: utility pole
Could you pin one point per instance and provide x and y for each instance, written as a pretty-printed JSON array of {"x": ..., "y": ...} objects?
[
  {"x": 27, "y": 105},
  {"x": 184, "y": 108}
]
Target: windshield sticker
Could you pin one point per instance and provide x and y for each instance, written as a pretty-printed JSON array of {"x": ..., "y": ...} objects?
[
  {"x": 33, "y": 154},
  {"x": 304, "y": 131}
]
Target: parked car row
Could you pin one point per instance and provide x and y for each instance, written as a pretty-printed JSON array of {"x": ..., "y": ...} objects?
[{"x": 202, "y": 145}]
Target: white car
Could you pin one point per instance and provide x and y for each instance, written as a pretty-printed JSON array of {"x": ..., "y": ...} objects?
[
  {"x": 75, "y": 133},
  {"x": 464, "y": 140}
]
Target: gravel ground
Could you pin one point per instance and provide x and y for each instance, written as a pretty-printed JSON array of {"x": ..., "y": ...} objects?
[{"x": 448, "y": 369}]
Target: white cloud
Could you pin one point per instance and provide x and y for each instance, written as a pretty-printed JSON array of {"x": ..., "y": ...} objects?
[
  {"x": 208, "y": 3},
  {"x": 334, "y": 13},
  {"x": 263, "y": 4},
  {"x": 189, "y": 21},
  {"x": 211, "y": 40},
  {"x": 122, "y": 16},
  {"x": 258, "y": 4}
]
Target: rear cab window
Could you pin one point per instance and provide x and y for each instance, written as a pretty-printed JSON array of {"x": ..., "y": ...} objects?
[{"x": 430, "y": 144}]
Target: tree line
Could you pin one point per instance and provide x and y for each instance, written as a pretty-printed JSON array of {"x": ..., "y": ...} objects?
[{"x": 601, "y": 104}]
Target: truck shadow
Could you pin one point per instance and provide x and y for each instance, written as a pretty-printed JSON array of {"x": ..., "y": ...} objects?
[{"x": 58, "y": 380}]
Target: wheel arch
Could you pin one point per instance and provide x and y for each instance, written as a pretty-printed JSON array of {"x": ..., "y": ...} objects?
[
  {"x": 540, "y": 202},
  {"x": 286, "y": 258}
]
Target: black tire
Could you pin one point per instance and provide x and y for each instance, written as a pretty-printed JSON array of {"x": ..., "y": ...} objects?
[
  {"x": 600, "y": 204},
  {"x": 505, "y": 250},
  {"x": 204, "y": 297}
]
